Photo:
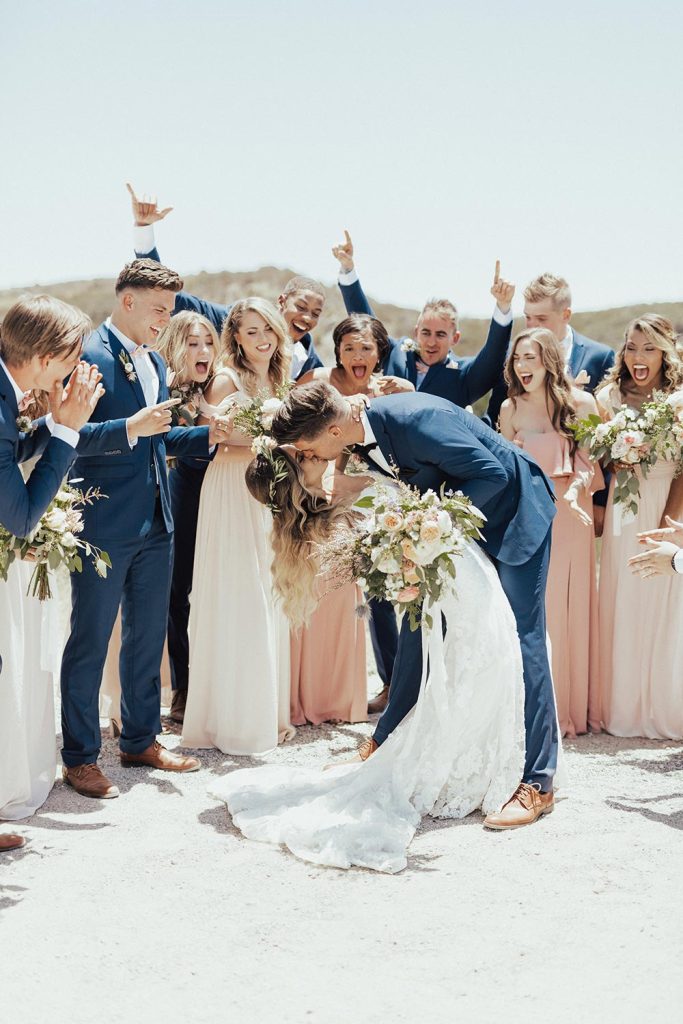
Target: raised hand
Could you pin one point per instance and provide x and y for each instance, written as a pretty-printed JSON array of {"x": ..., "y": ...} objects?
[
  {"x": 146, "y": 209},
  {"x": 393, "y": 385},
  {"x": 344, "y": 253},
  {"x": 73, "y": 405},
  {"x": 153, "y": 419},
  {"x": 502, "y": 291}
]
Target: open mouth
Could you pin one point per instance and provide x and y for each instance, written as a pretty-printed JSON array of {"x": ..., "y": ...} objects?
[
  {"x": 359, "y": 371},
  {"x": 526, "y": 379},
  {"x": 640, "y": 372},
  {"x": 299, "y": 327},
  {"x": 264, "y": 348},
  {"x": 202, "y": 367}
]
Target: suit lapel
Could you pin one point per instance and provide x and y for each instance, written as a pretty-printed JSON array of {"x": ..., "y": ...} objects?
[
  {"x": 576, "y": 358},
  {"x": 383, "y": 442},
  {"x": 110, "y": 341},
  {"x": 7, "y": 392},
  {"x": 412, "y": 368}
]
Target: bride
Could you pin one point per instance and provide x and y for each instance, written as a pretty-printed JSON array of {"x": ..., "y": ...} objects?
[{"x": 459, "y": 749}]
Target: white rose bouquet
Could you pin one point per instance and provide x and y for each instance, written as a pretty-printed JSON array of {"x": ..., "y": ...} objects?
[
  {"x": 254, "y": 417},
  {"x": 634, "y": 440},
  {"x": 54, "y": 541},
  {"x": 406, "y": 550}
]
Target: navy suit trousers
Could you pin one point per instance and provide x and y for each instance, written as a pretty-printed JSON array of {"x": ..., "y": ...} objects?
[
  {"x": 139, "y": 582},
  {"x": 524, "y": 587},
  {"x": 384, "y": 637},
  {"x": 185, "y": 482}
]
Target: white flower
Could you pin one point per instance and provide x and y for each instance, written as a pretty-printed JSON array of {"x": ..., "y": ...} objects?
[
  {"x": 601, "y": 432},
  {"x": 69, "y": 541},
  {"x": 391, "y": 521},
  {"x": 263, "y": 445},
  {"x": 55, "y": 520},
  {"x": 445, "y": 522},
  {"x": 388, "y": 564},
  {"x": 271, "y": 406},
  {"x": 409, "y": 345}
]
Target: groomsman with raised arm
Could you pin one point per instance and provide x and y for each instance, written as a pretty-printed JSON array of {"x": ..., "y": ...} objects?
[
  {"x": 547, "y": 303},
  {"x": 301, "y": 304},
  {"x": 40, "y": 345},
  {"x": 426, "y": 359},
  {"x": 135, "y": 526}
]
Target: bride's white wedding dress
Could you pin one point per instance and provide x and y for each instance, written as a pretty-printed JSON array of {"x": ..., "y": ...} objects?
[{"x": 459, "y": 749}]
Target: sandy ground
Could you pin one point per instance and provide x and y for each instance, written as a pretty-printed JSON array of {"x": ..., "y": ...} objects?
[{"x": 153, "y": 905}]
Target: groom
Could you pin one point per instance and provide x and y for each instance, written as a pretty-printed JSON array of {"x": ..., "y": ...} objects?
[{"x": 428, "y": 442}]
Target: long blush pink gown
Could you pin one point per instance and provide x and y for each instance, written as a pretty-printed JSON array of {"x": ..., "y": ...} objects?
[
  {"x": 571, "y": 594},
  {"x": 329, "y": 677},
  {"x": 641, "y": 620}
]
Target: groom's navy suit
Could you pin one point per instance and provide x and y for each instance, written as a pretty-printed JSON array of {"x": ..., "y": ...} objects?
[
  {"x": 186, "y": 483},
  {"x": 462, "y": 382},
  {"x": 433, "y": 442},
  {"x": 134, "y": 524}
]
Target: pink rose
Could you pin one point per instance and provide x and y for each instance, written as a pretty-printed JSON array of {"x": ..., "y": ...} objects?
[{"x": 408, "y": 594}]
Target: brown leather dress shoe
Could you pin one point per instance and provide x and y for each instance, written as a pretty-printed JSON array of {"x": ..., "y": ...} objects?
[
  {"x": 157, "y": 756},
  {"x": 527, "y": 805},
  {"x": 377, "y": 706},
  {"x": 11, "y": 841},
  {"x": 366, "y": 748},
  {"x": 178, "y": 703},
  {"x": 88, "y": 780}
]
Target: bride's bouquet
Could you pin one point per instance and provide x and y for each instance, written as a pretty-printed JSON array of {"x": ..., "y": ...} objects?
[
  {"x": 254, "y": 416},
  {"x": 406, "y": 549},
  {"x": 632, "y": 439},
  {"x": 54, "y": 541}
]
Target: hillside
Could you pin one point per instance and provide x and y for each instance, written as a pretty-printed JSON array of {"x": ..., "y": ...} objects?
[{"x": 95, "y": 298}]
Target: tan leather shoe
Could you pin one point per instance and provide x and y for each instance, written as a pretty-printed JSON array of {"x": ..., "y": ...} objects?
[
  {"x": 366, "y": 748},
  {"x": 11, "y": 841},
  {"x": 88, "y": 780},
  {"x": 523, "y": 808},
  {"x": 377, "y": 706},
  {"x": 178, "y": 703},
  {"x": 157, "y": 756}
]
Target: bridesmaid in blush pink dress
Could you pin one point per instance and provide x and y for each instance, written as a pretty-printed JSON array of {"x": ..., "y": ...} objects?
[
  {"x": 537, "y": 416},
  {"x": 641, "y": 620}
]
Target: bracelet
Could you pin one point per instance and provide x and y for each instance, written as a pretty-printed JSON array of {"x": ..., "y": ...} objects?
[{"x": 673, "y": 561}]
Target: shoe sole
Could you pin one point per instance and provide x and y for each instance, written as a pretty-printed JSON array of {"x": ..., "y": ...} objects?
[
  {"x": 91, "y": 796},
  {"x": 522, "y": 824},
  {"x": 156, "y": 767}
]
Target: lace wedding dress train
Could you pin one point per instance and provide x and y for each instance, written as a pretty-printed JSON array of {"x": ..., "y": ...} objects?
[{"x": 459, "y": 749}]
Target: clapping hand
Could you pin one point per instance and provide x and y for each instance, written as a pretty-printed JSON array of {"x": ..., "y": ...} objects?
[
  {"x": 344, "y": 253},
  {"x": 146, "y": 210},
  {"x": 72, "y": 405},
  {"x": 502, "y": 291}
]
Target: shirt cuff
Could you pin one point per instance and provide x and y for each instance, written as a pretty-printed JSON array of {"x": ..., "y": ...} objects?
[
  {"x": 59, "y": 430},
  {"x": 350, "y": 278},
  {"x": 678, "y": 560},
  {"x": 143, "y": 237},
  {"x": 503, "y": 319}
]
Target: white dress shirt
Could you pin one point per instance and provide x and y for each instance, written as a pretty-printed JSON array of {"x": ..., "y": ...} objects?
[
  {"x": 567, "y": 345},
  {"x": 142, "y": 363},
  {"x": 299, "y": 357},
  {"x": 370, "y": 439},
  {"x": 64, "y": 433}
]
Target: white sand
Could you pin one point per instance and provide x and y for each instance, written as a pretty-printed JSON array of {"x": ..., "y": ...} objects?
[{"x": 153, "y": 906}]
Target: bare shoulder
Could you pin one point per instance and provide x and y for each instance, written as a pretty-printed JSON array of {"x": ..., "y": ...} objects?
[{"x": 220, "y": 387}]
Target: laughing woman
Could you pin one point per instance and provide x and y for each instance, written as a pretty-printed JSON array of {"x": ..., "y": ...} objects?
[
  {"x": 238, "y": 694},
  {"x": 641, "y": 620},
  {"x": 537, "y": 416}
]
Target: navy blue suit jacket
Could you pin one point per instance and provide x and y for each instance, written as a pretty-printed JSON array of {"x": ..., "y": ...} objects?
[
  {"x": 216, "y": 313},
  {"x": 433, "y": 442},
  {"x": 129, "y": 476},
  {"x": 462, "y": 381}
]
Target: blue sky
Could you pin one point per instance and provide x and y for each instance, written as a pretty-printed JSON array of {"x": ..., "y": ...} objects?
[{"x": 442, "y": 135}]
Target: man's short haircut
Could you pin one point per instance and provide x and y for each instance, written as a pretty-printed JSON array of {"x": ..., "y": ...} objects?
[
  {"x": 548, "y": 286},
  {"x": 148, "y": 274},
  {"x": 304, "y": 284},
  {"x": 307, "y": 412},
  {"x": 40, "y": 325},
  {"x": 361, "y": 323},
  {"x": 443, "y": 308}
]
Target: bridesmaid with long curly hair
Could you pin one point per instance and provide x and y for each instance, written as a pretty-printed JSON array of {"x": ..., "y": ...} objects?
[
  {"x": 641, "y": 620},
  {"x": 538, "y": 415}
]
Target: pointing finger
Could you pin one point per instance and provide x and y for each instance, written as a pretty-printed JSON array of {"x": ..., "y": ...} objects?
[{"x": 496, "y": 275}]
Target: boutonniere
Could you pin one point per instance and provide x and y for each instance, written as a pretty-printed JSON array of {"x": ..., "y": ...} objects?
[
  {"x": 356, "y": 465},
  {"x": 452, "y": 364},
  {"x": 25, "y": 424},
  {"x": 409, "y": 345},
  {"x": 126, "y": 361}
]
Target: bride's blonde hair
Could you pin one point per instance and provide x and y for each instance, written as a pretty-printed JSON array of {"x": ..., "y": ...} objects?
[{"x": 301, "y": 520}]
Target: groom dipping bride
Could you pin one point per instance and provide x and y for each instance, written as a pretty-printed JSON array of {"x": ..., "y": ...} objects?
[{"x": 428, "y": 442}]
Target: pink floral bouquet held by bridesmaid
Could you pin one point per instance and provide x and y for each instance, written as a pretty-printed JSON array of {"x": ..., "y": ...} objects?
[
  {"x": 54, "y": 542},
  {"x": 632, "y": 439},
  {"x": 405, "y": 551}
]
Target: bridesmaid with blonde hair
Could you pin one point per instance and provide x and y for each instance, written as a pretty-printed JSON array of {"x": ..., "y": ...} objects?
[
  {"x": 238, "y": 695},
  {"x": 538, "y": 415},
  {"x": 641, "y": 620}
]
